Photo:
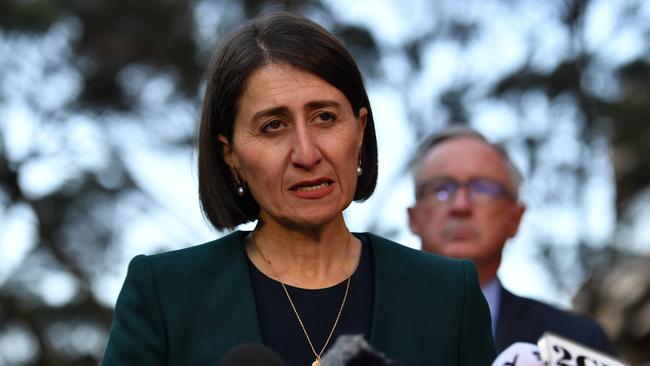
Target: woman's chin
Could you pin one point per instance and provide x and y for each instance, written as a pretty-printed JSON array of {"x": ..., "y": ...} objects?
[
  {"x": 306, "y": 216},
  {"x": 311, "y": 221}
]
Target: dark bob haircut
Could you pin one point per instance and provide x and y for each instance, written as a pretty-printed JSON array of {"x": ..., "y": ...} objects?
[{"x": 276, "y": 38}]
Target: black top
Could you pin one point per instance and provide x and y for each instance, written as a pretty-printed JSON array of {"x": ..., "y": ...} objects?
[{"x": 317, "y": 308}]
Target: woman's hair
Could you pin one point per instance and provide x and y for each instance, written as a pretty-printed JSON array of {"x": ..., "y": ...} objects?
[{"x": 276, "y": 38}]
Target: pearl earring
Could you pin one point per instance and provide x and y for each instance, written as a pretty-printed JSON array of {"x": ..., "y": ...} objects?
[
  {"x": 359, "y": 170},
  {"x": 240, "y": 186}
]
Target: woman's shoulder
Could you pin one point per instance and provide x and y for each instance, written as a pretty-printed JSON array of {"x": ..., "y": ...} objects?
[
  {"x": 399, "y": 253},
  {"x": 212, "y": 253},
  {"x": 397, "y": 263}
]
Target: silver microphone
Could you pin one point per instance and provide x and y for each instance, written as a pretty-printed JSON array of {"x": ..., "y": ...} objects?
[
  {"x": 556, "y": 350},
  {"x": 519, "y": 354}
]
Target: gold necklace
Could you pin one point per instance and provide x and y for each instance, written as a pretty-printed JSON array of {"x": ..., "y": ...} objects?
[{"x": 295, "y": 311}]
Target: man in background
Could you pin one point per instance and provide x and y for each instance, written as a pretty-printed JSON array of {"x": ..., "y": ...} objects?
[{"x": 467, "y": 206}]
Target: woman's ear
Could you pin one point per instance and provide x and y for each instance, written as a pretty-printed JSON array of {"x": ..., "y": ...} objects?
[
  {"x": 228, "y": 155},
  {"x": 363, "y": 117}
]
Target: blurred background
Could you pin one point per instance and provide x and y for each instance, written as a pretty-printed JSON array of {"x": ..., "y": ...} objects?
[{"x": 99, "y": 101}]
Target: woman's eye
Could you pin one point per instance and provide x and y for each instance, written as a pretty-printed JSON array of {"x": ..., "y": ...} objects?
[
  {"x": 272, "y": 126},
  {"x": 326, "y": 117}
]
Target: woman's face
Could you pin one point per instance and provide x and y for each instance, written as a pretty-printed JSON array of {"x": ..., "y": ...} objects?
[{"x": 296, "y": 144}]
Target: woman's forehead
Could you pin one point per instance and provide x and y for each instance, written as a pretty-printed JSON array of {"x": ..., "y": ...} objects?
[{"x": 274, "y": 86}]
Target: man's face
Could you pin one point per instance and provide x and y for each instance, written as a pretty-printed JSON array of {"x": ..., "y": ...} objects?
[{"x": 479, "y": 215}]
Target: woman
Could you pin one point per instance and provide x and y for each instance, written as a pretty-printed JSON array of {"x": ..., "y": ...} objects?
[{"x": 287, "y": 138}]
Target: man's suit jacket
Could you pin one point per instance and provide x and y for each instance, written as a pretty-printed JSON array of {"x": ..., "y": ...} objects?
[
  {"x": 190, "y": 306},
  {"x": 525, "y": 320}
]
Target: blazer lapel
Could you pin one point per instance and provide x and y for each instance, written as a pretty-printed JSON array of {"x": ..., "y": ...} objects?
[
  {"x": 234, "y": 302},
  {"x": 392, "y": 330},
  {"x": 514, "y": 323}
]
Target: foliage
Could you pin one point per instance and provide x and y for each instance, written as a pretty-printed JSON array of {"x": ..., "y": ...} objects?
[
  {"x": 113, "y": 54},
  {"x": 84, "y": 75}
]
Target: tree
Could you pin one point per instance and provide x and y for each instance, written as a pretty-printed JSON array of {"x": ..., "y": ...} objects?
[
  {"x": 97, "y": 71},
  {"x": 88, "y": 86}
]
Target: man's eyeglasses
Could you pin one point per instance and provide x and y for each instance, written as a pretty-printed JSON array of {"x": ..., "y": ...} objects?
[{"x": 481, "y": 191}]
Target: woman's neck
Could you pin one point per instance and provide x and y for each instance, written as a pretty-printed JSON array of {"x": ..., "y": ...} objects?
[{"x": 305, "y": 257}]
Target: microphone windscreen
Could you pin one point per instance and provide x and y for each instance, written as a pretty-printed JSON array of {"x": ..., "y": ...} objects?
[
  {"x": 353, "y": 350},
  {"x": 519, "y": 354},
  {"x": 251, "y": 354}
]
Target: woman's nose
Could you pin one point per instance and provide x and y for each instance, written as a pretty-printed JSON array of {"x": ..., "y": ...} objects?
[{"x": 305, "y": 152}]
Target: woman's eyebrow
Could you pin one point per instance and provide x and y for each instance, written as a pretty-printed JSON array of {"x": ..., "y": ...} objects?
[
  {"x": 283, "y": 110},
  {"x": 322, "y": 103},
  {"x": 273, "y": 111}
]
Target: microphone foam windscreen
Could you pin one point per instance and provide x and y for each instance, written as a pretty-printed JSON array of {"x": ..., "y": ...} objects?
[
  {"x": 353, "y": 350},
  {"x": 251, "y": 354}
]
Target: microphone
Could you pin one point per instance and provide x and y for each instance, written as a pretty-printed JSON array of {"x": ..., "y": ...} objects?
[
  {"x": 251, "y": 354},
  {"x": 519, "y": 354},
  {"x": 556, "y": 350},
  {"x": 353, "y": 350}
]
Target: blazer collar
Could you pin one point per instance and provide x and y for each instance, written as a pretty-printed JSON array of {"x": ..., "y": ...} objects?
[
  {"x": 235, "y": 286},
  {"x": 391, "y": 318}
]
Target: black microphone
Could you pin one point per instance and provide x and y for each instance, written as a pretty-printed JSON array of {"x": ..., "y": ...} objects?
[
  {"x": 353, "y": 350},
  {"x": 251, "y": 354}
]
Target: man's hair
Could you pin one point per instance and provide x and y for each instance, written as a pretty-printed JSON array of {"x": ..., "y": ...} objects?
[
  {"x": 274, "y": 38},
  {"x": 458, "y": 131}
]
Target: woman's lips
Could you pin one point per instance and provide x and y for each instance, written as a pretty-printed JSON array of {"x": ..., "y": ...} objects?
[{"x": 312, "y": 189}]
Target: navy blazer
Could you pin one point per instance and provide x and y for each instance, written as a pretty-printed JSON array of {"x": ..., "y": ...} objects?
[
  {"x": 525, "y": 320},
  {"x": 190, "y": 306}
]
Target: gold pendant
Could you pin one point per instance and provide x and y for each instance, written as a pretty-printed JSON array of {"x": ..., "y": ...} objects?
[{"x": 315, "y": 363}]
